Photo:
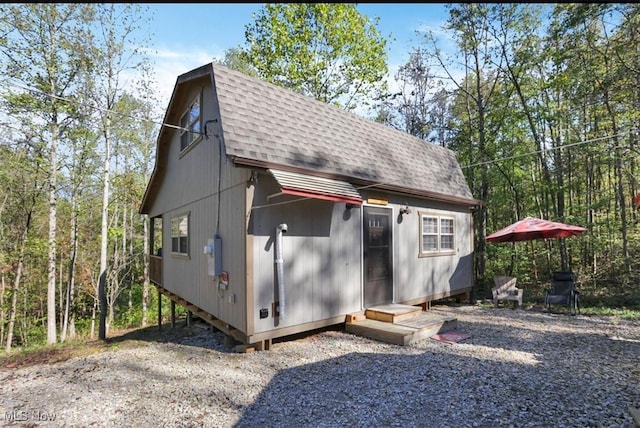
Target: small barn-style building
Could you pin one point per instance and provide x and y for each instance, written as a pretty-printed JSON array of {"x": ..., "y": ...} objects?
[{"x": 273, "y": 213}]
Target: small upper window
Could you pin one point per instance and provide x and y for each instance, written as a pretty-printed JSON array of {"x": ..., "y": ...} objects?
[
  {"x": 180, "y": 235},
  {"x": 437, "y": 235},
  {"x": 191, "y": 124}
]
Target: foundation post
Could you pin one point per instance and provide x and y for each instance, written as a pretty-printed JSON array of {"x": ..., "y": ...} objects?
[
  {"x": 173, "y": 314},
  {"x": 159, "y": 309}
]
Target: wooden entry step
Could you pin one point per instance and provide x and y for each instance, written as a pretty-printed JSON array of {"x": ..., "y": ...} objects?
[
  {"x": 409, "y": 324},
  {"x": 392, "y": 312}
]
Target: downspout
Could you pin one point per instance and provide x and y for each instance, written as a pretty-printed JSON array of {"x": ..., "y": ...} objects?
[{"x": 282, "y": 228}]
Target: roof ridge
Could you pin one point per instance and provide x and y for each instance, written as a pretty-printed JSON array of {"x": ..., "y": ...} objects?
[
  {"x": 265, "y": 125},
  {"x": 307, "y": 98}
]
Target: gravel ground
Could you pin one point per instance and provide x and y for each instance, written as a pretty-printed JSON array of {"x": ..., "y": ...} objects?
[{"x": 518, "y": 368}]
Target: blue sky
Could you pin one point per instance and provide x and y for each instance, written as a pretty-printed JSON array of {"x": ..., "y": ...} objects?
[{"x": 189, "y": 35}]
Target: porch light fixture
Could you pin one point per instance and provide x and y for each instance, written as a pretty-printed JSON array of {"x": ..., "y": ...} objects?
[
  {"x": 253, "y": 178},
  {"x": 405, "y": 210}
]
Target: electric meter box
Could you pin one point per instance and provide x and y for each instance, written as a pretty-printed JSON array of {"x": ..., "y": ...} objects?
[{"x": 213, "y": 250}]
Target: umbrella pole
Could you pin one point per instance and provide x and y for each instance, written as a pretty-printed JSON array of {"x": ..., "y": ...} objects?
[{"x": 535, "y": 267}]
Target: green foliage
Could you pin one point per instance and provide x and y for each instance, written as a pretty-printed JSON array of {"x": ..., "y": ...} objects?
[
  {"x": 237, "y": 59},
  {"x": 328, "y": 51},
  {"x": 543, "y": 118},
  {"x": 614, "y": 312},
  {"x": 55, "y": 79},
  {"x": 131, "y": 318}
]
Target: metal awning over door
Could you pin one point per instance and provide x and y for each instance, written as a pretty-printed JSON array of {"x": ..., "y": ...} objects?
[{"x": 308, "y": 186}]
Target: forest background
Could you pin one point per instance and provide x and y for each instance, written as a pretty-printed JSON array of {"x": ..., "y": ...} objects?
[{"x": 542, "y": 114}]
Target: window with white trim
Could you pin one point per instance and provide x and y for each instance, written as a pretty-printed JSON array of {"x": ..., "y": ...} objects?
[
  {"x": 180, "y": 235},
  {"x": 437, "y": 235},
  {"x": 191, "y": 124}
]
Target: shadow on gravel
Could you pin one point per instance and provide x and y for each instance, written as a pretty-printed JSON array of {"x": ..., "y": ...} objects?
[
  {"x": 180, "y": 334},
  {"x": 576, "y": 377},
  {"x": 198, "y": 334},
  {"x": 164, "y": 334}
]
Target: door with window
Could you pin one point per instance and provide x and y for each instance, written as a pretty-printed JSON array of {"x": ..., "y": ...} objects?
[{"x": 378, "y": 256}]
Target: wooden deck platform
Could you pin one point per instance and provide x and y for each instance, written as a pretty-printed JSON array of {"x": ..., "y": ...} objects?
[{"x": 398, "y": 324}]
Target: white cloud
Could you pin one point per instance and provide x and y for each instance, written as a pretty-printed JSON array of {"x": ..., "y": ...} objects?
[{"x": 168, "y": 64}]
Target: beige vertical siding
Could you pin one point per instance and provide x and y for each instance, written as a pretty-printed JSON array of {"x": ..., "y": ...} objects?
[
  {"x": 321, "y": 253},
  {"x": 419, "y": 277},
  {"x": 190, "y": 185}
]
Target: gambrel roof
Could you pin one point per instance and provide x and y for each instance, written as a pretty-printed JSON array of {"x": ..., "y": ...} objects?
[{"x": 267, "y": 126}]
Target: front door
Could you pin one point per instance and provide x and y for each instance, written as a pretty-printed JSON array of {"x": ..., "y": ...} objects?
[{"x": 378, "y": 260}]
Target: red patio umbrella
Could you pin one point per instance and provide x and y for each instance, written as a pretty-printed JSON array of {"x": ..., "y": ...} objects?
[{"x": 531, "y": 228}]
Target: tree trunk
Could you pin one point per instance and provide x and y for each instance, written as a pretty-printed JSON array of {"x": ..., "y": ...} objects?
[
  {"x": 102, "y": 292},
  {"x": 2, "y": 289},
  {"x": 51, "y": 282},
  {"x": 131, "y": 263},
  {"x": 23, "y": 321},
  {"x": 71, "y": 277},
  {"x": 62, "y": 292},
  {"x": 17, "y": 283},
  {"x": 145, "y": 270},
  {"x": 2, "y": 310},
  {"x": 13, "y": 308},
  {"x": 619, "y": 187},
  {"x": 92, "y": 331},
  {"x": 481, "y": 110}
]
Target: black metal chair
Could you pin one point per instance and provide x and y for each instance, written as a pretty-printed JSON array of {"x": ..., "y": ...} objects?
[{"x": 563, "y": 291}]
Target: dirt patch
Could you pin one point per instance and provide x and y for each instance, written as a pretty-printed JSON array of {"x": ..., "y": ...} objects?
[
  {"x": 34, "y": 357},
  {"x": 62, "y": 352}
]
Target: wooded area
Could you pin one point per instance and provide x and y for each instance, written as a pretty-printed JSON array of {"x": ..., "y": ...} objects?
[{"x": 542, "y": 112}]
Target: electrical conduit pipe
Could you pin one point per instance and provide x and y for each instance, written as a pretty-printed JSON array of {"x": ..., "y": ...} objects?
[{"x": 282, "y": 228}]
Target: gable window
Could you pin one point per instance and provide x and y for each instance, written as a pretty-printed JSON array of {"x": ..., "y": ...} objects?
[
  {"x": 180, "y": 235},
  {"x": 437, "y": 235},
  {"x": 191, "y": 124}
]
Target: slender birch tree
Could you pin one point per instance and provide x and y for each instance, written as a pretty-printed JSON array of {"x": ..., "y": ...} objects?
[
  {"x": 43, "y": 51},
  {"x": 120, "y": 53},
  {"x": 143, "y": 161},
  {"x": 23, "y": 179}
]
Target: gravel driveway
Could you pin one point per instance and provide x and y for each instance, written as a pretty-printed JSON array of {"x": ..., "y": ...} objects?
[{"x": 518, "y": 368}]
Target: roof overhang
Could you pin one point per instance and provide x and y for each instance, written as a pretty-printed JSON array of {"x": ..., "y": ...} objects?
[
  {"x": 450, "y": 199},
  {"x": 308, "y": 186},
  {"x": 368, "y": 184}
]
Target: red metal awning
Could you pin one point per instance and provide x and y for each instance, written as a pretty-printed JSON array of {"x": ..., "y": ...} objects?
[{"x": 308, "y": 186}]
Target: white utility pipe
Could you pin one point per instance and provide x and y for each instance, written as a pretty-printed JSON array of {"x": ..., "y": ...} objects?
[{"x": 279, "y": 268}]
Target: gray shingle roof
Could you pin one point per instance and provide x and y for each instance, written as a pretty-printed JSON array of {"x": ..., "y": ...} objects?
[{"x": 266, "y": 123}]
